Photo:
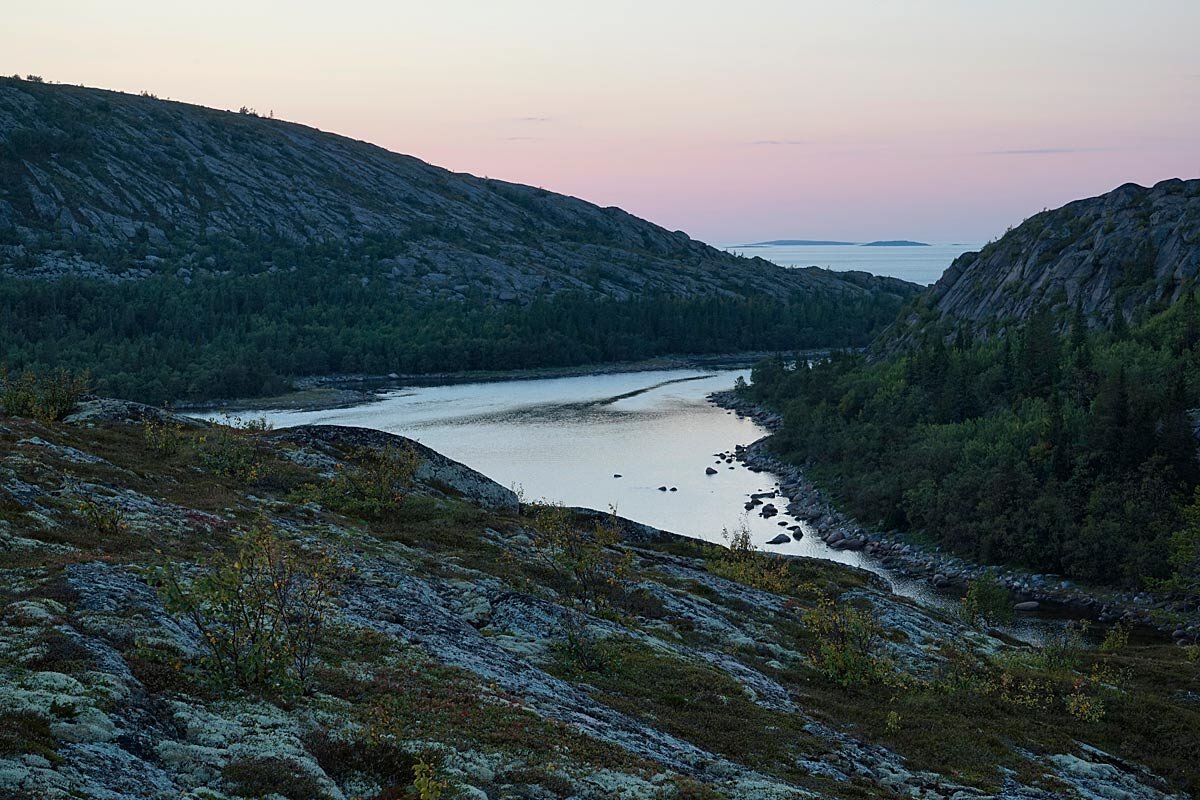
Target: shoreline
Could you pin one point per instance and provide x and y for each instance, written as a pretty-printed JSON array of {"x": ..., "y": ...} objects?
[
  {"x": 1050, "y": 595},
  {"x": 325, "y": 392}
]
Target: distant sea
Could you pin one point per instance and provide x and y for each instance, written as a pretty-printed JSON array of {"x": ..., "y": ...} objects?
[{"x": 922, "y": 265}]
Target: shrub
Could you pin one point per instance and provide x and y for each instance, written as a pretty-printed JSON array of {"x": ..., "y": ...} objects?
[
  {"x": 163, "y": 437},
  {"x": 987, "y": 602},
  {"x": 47, "y": 398},
  {"x": 58, "y": 394},
  {"x": 24, "y": 732},
  {"x": 746, "y": 564},
  {"x": 384, "y": 761},
  {"x": 1062, "y": 650},
  {"x": 108, "y": 522},
  {"x": 582, "y": 649},
  {"x": 379, "y": 482},
  {"x": 1116, "y": 639},
  {"x": 262, "y": 614},
  {"x": 230, "y": 450},
  {"x": 426, "y": 782},
  {"x": 846, "y": 650},
  {"x": 584, "y": 560},
  {"x": 685, "y": 788},
  {"x": 261, "y": 776},
  {"x": 18, "y": 393},
  {"x": 1084, "y": 706}
]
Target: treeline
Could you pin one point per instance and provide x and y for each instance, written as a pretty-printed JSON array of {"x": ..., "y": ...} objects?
[
  {"x": 161, "y": 338},
  {"x": 1070, "y": 454}
]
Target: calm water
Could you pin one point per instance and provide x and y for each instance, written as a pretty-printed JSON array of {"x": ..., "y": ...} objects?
[
  {"x": 922, "y": 265},
  {"x": 563, "y": 439}
]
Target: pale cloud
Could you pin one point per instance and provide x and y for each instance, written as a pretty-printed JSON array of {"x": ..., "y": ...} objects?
[
  {"x": 779, "y": 142},
  {"x": 1045, "y": 151}
]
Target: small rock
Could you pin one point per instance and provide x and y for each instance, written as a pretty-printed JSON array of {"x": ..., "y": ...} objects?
[
  {"x": 709, "y": 471},
  {"x": 782, "y": 538},
  {"x": 1028, "y": 605}
]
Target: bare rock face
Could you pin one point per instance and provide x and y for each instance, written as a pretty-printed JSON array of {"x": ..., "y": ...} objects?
[
  {"x": 85, "y": 170},
  {"x": 1130, "y": 249}
]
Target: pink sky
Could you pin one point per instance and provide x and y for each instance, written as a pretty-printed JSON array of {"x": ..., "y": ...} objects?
[{"x": 938, "y": 120}]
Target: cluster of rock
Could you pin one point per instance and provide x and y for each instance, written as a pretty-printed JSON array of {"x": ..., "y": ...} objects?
[{"x": 945, "y": 571}]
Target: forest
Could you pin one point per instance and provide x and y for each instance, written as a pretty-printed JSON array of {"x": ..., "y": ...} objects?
[
  {"x": 1057, "y": 448},
  {"x": 161, "y": 338}
]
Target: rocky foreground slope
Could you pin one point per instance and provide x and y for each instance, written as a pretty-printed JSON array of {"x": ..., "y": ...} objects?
[
  {"x": 1132, "y": 250},
  {"x": 117, "y": 186},
  {"x": 468, "y": 648}
]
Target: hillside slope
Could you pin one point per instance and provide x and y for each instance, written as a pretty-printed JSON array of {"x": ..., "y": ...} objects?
[
  {"x": 1129, "y": 251},
  {"x": 515, "y": 651},
  {"x": 133, "y": 184},
  {"x": 180, "y": 252}
]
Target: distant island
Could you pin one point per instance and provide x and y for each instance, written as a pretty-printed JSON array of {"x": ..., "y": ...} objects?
[
  {"x": 795, "y": 243},
  {"x": 824, "y": 242}
]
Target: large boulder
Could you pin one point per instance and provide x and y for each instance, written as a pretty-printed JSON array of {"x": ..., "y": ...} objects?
[{"x": 435, "y": 470}]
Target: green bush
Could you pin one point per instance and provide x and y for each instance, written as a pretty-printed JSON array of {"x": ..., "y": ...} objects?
[
  {"x": 262, "y": 613},
  {"x": 163, "y": 437},
  {"x": 428, "y": 785},
  {"x": 582, "y": 650},
  {"x": 1063, "y": 649},
  {"x": 589, "y": 567},
  {"x": 987, "y": 602},
  {"x": 847, "y": 644},
  {"x": 379, "y": 759},
  {"x": 24, "y": 732},
  {"x": 48, "y": 398},
  {"x": 264, "y": 776},
  {"x": 378, "y": 482},
  {"x": 745, "y": 563},
  {"x": 231, "y": 450}
]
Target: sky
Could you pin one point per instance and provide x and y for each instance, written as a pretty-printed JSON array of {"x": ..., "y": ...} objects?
[{"x": 939, "y": 120}]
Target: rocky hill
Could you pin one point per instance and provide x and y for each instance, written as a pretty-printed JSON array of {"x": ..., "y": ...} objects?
[
  {"x": 1126, "y": 252},
  {"x": 119, "y": 186},
  {"x": 190, "y": 610},
  {"x": 183, "y": 253}
]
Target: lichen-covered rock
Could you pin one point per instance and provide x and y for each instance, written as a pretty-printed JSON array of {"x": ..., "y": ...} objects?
[{"x": 457, "y": 636}]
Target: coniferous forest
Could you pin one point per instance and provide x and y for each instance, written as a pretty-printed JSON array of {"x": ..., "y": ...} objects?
[
  {"x": 157, "y": 339},
  {"x": 1057, "y": 448}
]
